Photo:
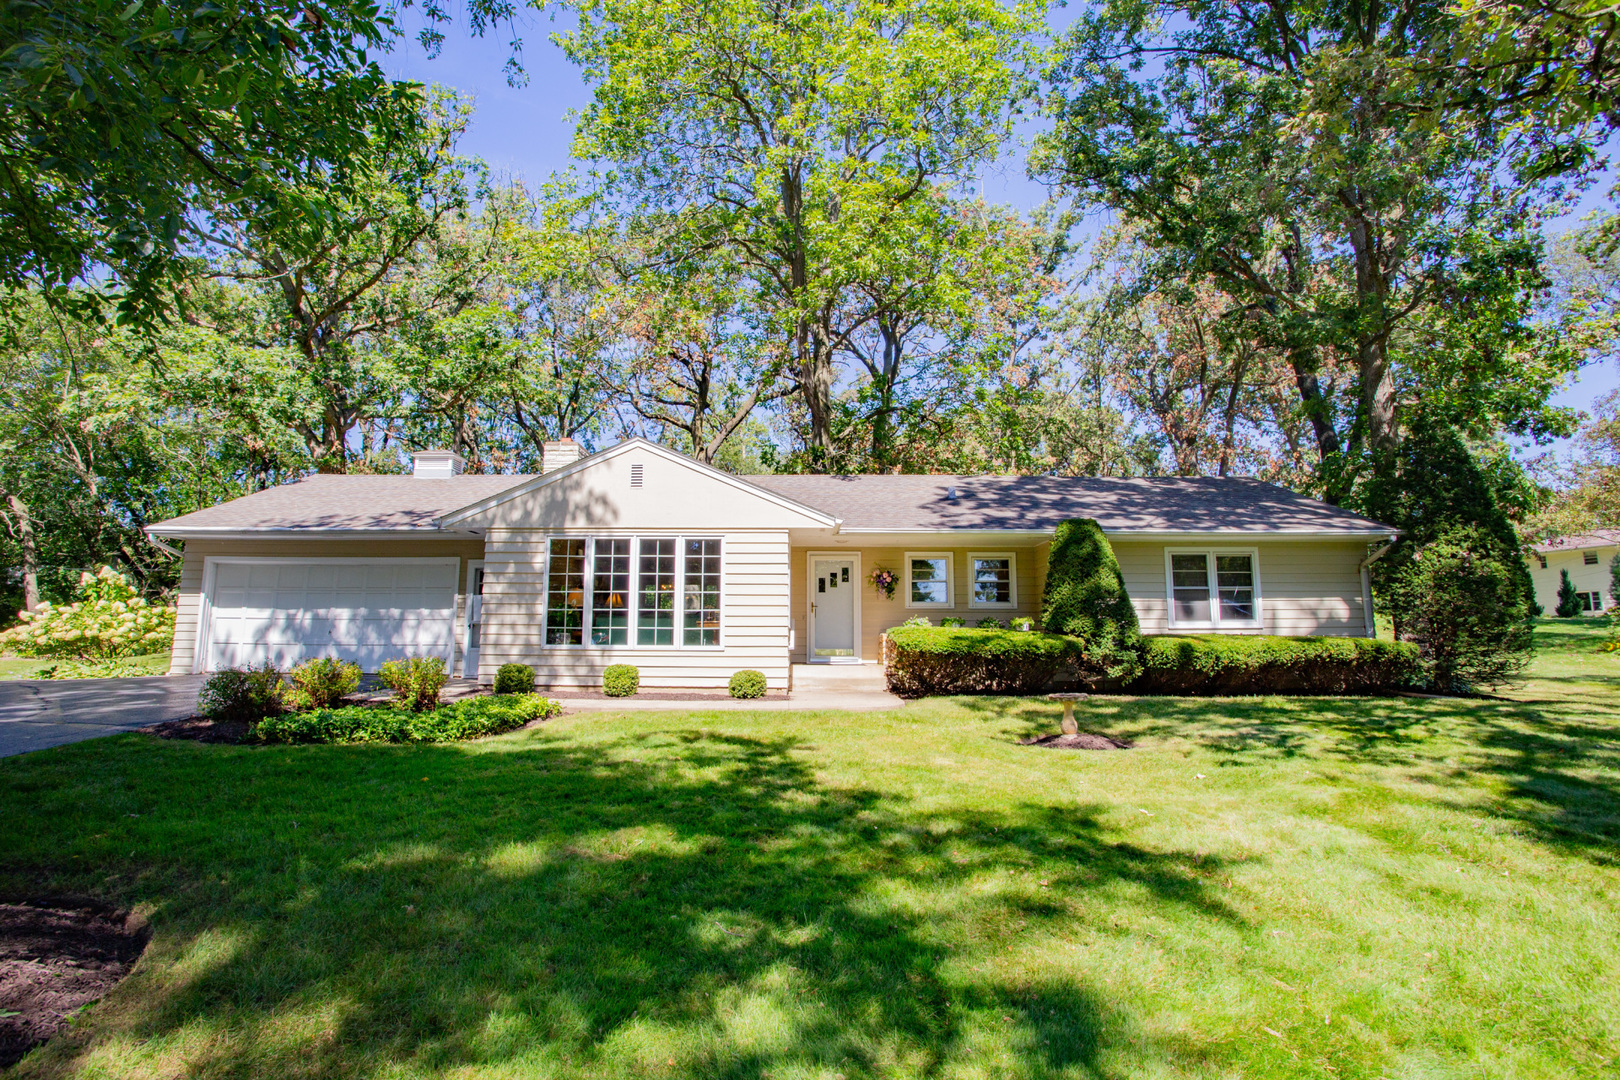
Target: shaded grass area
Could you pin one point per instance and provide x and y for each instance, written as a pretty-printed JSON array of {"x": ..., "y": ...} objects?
[
  {"x": 1261, "y": 888},
  {"x": 28, "y": 667}
]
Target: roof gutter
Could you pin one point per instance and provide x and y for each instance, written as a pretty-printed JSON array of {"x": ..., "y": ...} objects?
[{"x": 184, "y": 532}]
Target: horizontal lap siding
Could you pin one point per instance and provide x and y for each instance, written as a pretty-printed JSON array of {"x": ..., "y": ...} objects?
[
  {"x": 188, "y": 606},
  {"x": 879, "y": 614},
  {"x": 753, "y": 626},
  {"x": 1306, "y": 587}
]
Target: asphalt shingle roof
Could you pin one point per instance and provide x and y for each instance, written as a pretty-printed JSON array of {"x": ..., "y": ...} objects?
[
  {"x": 1145, "y": 504},
  {"x": 326, "y": 502},
  {"x": 323, "y": 503},
  {"x": 1595, "y": 538}
]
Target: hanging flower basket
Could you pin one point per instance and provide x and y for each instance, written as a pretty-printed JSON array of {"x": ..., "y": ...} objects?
[{"x": 884, "y": 581}]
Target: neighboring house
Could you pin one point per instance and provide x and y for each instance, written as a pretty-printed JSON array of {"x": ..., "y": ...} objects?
[
  {"x": 640, "y": 555},
  {"x": 1586, "y": 557}
]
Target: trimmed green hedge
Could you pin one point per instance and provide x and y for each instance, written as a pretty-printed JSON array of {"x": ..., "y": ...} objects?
[
  {"x": 472, "y": 718},
  {"x": 925, "y": 660},
  {"x": 1264, "y": 664}
]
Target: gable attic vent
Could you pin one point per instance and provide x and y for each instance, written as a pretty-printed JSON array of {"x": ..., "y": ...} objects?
[
  {"x": 437, "y": 464},
  {"x": 555, "y": 453},
  {"x": 635, "y": 474}
]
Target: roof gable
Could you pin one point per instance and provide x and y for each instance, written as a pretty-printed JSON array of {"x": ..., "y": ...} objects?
[{"x": 638, "y": 485}]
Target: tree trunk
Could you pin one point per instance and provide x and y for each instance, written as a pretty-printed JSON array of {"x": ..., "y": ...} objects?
[{"x": 24, "y": 524}]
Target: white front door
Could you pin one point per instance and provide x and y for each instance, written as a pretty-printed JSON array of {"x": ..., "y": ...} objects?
[
  {"x": 832, "y": 610},
  {"x": 475, "y": 620}
]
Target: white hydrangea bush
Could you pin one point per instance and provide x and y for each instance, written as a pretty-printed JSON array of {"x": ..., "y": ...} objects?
[{"x": 107, "y": 620}]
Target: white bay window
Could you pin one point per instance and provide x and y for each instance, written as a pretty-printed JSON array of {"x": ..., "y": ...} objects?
[{"x": 650, "y": 591}]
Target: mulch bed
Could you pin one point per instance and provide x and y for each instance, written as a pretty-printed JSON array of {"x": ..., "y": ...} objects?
[
  {"x": 57, "y": 956},
  {"x": 1084, "y": 740},
  {"x": 200, "y": 729}
]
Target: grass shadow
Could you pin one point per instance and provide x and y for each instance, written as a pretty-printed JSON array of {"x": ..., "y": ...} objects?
[{"x": 678, "y": 902}]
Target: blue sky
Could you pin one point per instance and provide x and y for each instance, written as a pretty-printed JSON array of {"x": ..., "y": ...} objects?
[{"x": 525, "y": 131}]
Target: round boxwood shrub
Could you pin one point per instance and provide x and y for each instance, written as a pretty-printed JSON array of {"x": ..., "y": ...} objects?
[
  {"x": 620, "y": 680},
  {"x": 514, "y": 679},
  {"x": 748, "y": 684},
  {"x": 1086, "y": 599}
]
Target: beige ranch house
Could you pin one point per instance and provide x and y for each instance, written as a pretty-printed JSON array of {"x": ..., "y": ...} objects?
[
  {"x": 639, "y": 555},
  {"x": 1587, "y": 559}
]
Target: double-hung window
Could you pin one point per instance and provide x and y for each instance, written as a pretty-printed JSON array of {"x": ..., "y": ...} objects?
[
  {"x": 928, "y": 579},
  {"x": 1213, "y": 589},
  {"x": 633, "y": 591},
  {"x": 993, "y": 579}
]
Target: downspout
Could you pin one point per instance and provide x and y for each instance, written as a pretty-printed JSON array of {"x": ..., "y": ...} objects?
[
  {"x": 1366, "y": 585},
  {"x": 164, "y": 546}
]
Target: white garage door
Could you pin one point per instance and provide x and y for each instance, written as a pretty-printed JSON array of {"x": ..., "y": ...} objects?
[{"x": 365, "y": 610}]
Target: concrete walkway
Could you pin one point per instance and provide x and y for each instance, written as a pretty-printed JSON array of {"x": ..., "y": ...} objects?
[
  {"x": 37, "y": 713},
  {"x": 798, "y": 701}
]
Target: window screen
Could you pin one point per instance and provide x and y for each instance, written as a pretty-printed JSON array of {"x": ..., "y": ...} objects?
[
  {"x": 930, "y": 580},
  {"x": 610, "y": 593},
  {"x": 1589, "y": 558},
  {"x": 1189, "y": 579},
  {"x": 655, "y": 593},
  {"x": 992, "y": 579},
  {"x": 565, "y": 592},
  {"x": 700, "y": 614}
]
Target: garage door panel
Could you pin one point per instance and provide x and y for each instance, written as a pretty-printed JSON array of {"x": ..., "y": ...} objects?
[{"x": 365, "y": 612}]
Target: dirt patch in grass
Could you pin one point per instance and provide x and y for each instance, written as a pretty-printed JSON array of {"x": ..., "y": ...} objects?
[
  {"x": 200, "y": 729},
  {"x": 1084, "y": 740},
  {"x": 57, "y": 956}
]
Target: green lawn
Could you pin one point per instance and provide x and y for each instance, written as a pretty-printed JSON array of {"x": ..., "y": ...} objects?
[
  {"x": 28, "y": 667},
  {"x": 1262, "y": 888}
]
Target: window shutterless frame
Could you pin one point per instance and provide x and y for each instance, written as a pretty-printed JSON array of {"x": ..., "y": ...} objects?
[
  {"x": 1211, "y": 592},
  {"x": 992, "y": 559},
  {"x": 943, "y": 565},
  {"x": 624, "y": 621}
]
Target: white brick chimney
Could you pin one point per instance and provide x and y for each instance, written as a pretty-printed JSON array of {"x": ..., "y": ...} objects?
[
  {"x": 556, "y": 453},
  {"x": 437, "y": 464}
]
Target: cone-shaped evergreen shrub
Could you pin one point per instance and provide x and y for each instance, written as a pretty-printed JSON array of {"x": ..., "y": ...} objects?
[
  {"x": 1086, "y": 599},
  {"x": 1569, "y": 605}
]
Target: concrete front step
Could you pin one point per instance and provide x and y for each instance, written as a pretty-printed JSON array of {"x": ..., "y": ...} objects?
[{"x": 841, "y": 677}]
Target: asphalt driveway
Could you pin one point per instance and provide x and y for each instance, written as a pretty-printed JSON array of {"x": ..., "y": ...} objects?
[{"x": 36, "y": 713}]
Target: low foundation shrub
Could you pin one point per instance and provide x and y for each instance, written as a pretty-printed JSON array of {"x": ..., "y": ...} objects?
[
  {"x": 473, "y": 718},
  {"x": 242, "y": 694},
  {"x": 1263, "y": 664},
  {"x": 924, "y": 660},
  {"x": 748, "y": 684},
  {"x": 514, "y": 679},
  {"x": 321, "y": 683},
  {"x": 620, "y": 680},
  {"x": 415, "y": 681}
]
